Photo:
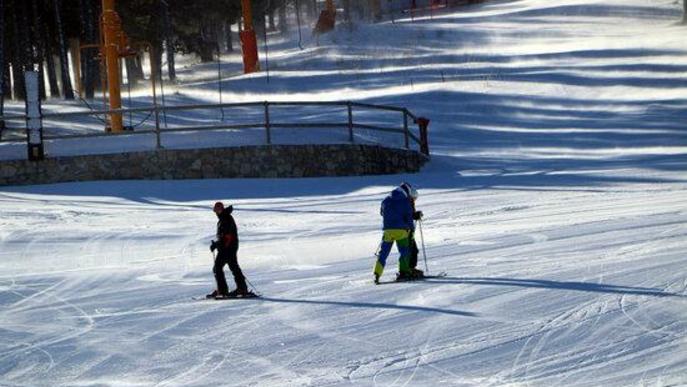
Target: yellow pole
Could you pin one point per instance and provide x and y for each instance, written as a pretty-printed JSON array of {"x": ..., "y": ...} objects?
[{"x": 111, "y": 27}]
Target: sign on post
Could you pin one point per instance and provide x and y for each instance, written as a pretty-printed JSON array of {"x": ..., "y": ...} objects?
[{"x": 34, "y": 122}]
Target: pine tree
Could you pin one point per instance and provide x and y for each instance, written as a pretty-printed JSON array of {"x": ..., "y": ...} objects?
[
  {"x": 283, "y": 24},
  {"x": 50, "y": 68},
  {"x": 38, "y": 43},
  {"x": 18, "y": 54},
  {"x": 169, "y": 40},
  {"x": 200, "y": 33},
  {"x": 62, "y": 43},
  {"x": 347, "y": 11},
  {"x": 88, "y": 19},
  {"x": 227, "y": 36}
]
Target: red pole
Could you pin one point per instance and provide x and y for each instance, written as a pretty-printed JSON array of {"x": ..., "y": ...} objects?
[{"x": 249, "y": 42}]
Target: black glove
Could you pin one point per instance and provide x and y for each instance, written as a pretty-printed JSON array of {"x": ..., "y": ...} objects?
[
  {"x": 417, "y": 215},
  {"x": 213, "y": 246}
]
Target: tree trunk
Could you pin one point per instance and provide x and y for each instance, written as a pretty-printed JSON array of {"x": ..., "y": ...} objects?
[
  {"x": 18, "y": 60},
  {"x": 227, "y": 37},
  {"x": 132, "y": 73},
  {"x": 41, "y": 81},
  {"x": 171, "y": 71},
  {"x": 206, "y": 52},
  {"x": 74, "y": 45},
  {"x": 169, "y": 41},
  {"x": 283, "y": 24},
  {"x": 26, "y": 59},
  {"x": 131, "y": 77},
  {"x": 139, "y": 66},
  {"x": 311, "y": 5},
  {"x": 376, "y": 9},
  {"x": 64, "y": 60},
  {"x": 19, "y": 90},
  {"x": 89, "y": 34},
  {"x": 360, "y": 9},
  {"x": 52, "y": 75},
  {"x": 273, "y": 24},
  {"x": 27, "y": 44},
  {"x": 6, "y": 84},
  {"x": 49, "y": 59},
  {"x": 347, "y": 10},
  {"x": 39, "y": 49},
  {"x": 259, "y": 24},
  {"x": 155, "y": 56},
  {"x": 208, "y": 44}
]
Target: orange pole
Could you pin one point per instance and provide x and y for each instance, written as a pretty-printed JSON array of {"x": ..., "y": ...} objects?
[
  {"x": 111, "y": 29},
  {"x": 249, "y": 42}
]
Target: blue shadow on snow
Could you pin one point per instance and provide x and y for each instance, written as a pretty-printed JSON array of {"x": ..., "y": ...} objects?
[
  {"x": 412, "y": 308},
  {"x": 560, "y": 285}
]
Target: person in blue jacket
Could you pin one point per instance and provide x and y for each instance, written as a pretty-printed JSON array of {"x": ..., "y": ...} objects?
[{"x": 398, "y": 212}]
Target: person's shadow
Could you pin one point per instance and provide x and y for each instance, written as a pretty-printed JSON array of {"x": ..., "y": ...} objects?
[
  {"x": 373, "y": 305},
  {"x": 558, "y": 285},
  {"x": 512, "y": 282}
]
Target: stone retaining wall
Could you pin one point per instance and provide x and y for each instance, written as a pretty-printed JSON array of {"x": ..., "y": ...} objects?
[{"x": 248, "y": 161}]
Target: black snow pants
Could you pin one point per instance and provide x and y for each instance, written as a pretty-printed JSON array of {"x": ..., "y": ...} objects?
[
  {"x": 413, "y": 251},
  {"x": 227, "y": 256}
]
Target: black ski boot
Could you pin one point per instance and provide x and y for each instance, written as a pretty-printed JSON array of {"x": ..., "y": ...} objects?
[
  {"x": 404, "y": 277},
  {"x": 236, "y": 293},
  {"x": 232, "y": 294}
]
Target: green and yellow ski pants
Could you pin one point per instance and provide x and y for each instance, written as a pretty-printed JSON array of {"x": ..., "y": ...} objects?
[{"x": 401, "y": 237}]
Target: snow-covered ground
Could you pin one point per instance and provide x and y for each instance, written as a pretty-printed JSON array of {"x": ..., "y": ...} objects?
[{"x": 556, "y": 200}]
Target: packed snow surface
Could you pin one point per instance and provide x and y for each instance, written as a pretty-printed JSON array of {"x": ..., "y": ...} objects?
[{"x": 556, "y": 201}]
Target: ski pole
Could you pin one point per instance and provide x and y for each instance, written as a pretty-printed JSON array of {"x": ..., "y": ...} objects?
[
  {"x": 422, "y": 240},
  {"x": 252, "y": 286},
  {"x": 379, "y": 249}
]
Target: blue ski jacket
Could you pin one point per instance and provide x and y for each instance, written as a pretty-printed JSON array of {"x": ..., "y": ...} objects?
[{"x": 397, "y": 211}]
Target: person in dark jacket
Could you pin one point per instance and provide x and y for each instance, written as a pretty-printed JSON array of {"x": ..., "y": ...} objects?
[
  {"x": 227, "y": 245},
  {"x": 397, "y": 211}
]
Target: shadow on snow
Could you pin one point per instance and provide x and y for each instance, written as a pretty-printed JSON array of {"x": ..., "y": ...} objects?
[
  {"x": 412, "y": 308},
  {"x": 558, "y": 285}
]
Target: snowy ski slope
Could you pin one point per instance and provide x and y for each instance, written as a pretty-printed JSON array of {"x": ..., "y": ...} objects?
[{"x": 556, "y": 200}]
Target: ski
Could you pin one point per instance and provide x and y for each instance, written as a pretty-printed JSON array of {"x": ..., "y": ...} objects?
[
  {"x": 438, "y": 275},
  {"x": 238, "y": 297},
  {"x": 424, "y": 277},
  {"x": 246, "y": 296},
  {"x": 442, "y": 274}
]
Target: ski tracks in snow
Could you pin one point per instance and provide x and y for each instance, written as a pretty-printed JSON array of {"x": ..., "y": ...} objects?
[{"x": 20, "y": 313}]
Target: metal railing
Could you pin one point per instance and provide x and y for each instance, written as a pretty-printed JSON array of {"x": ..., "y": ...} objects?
[{"x": 351, "y": 123}]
